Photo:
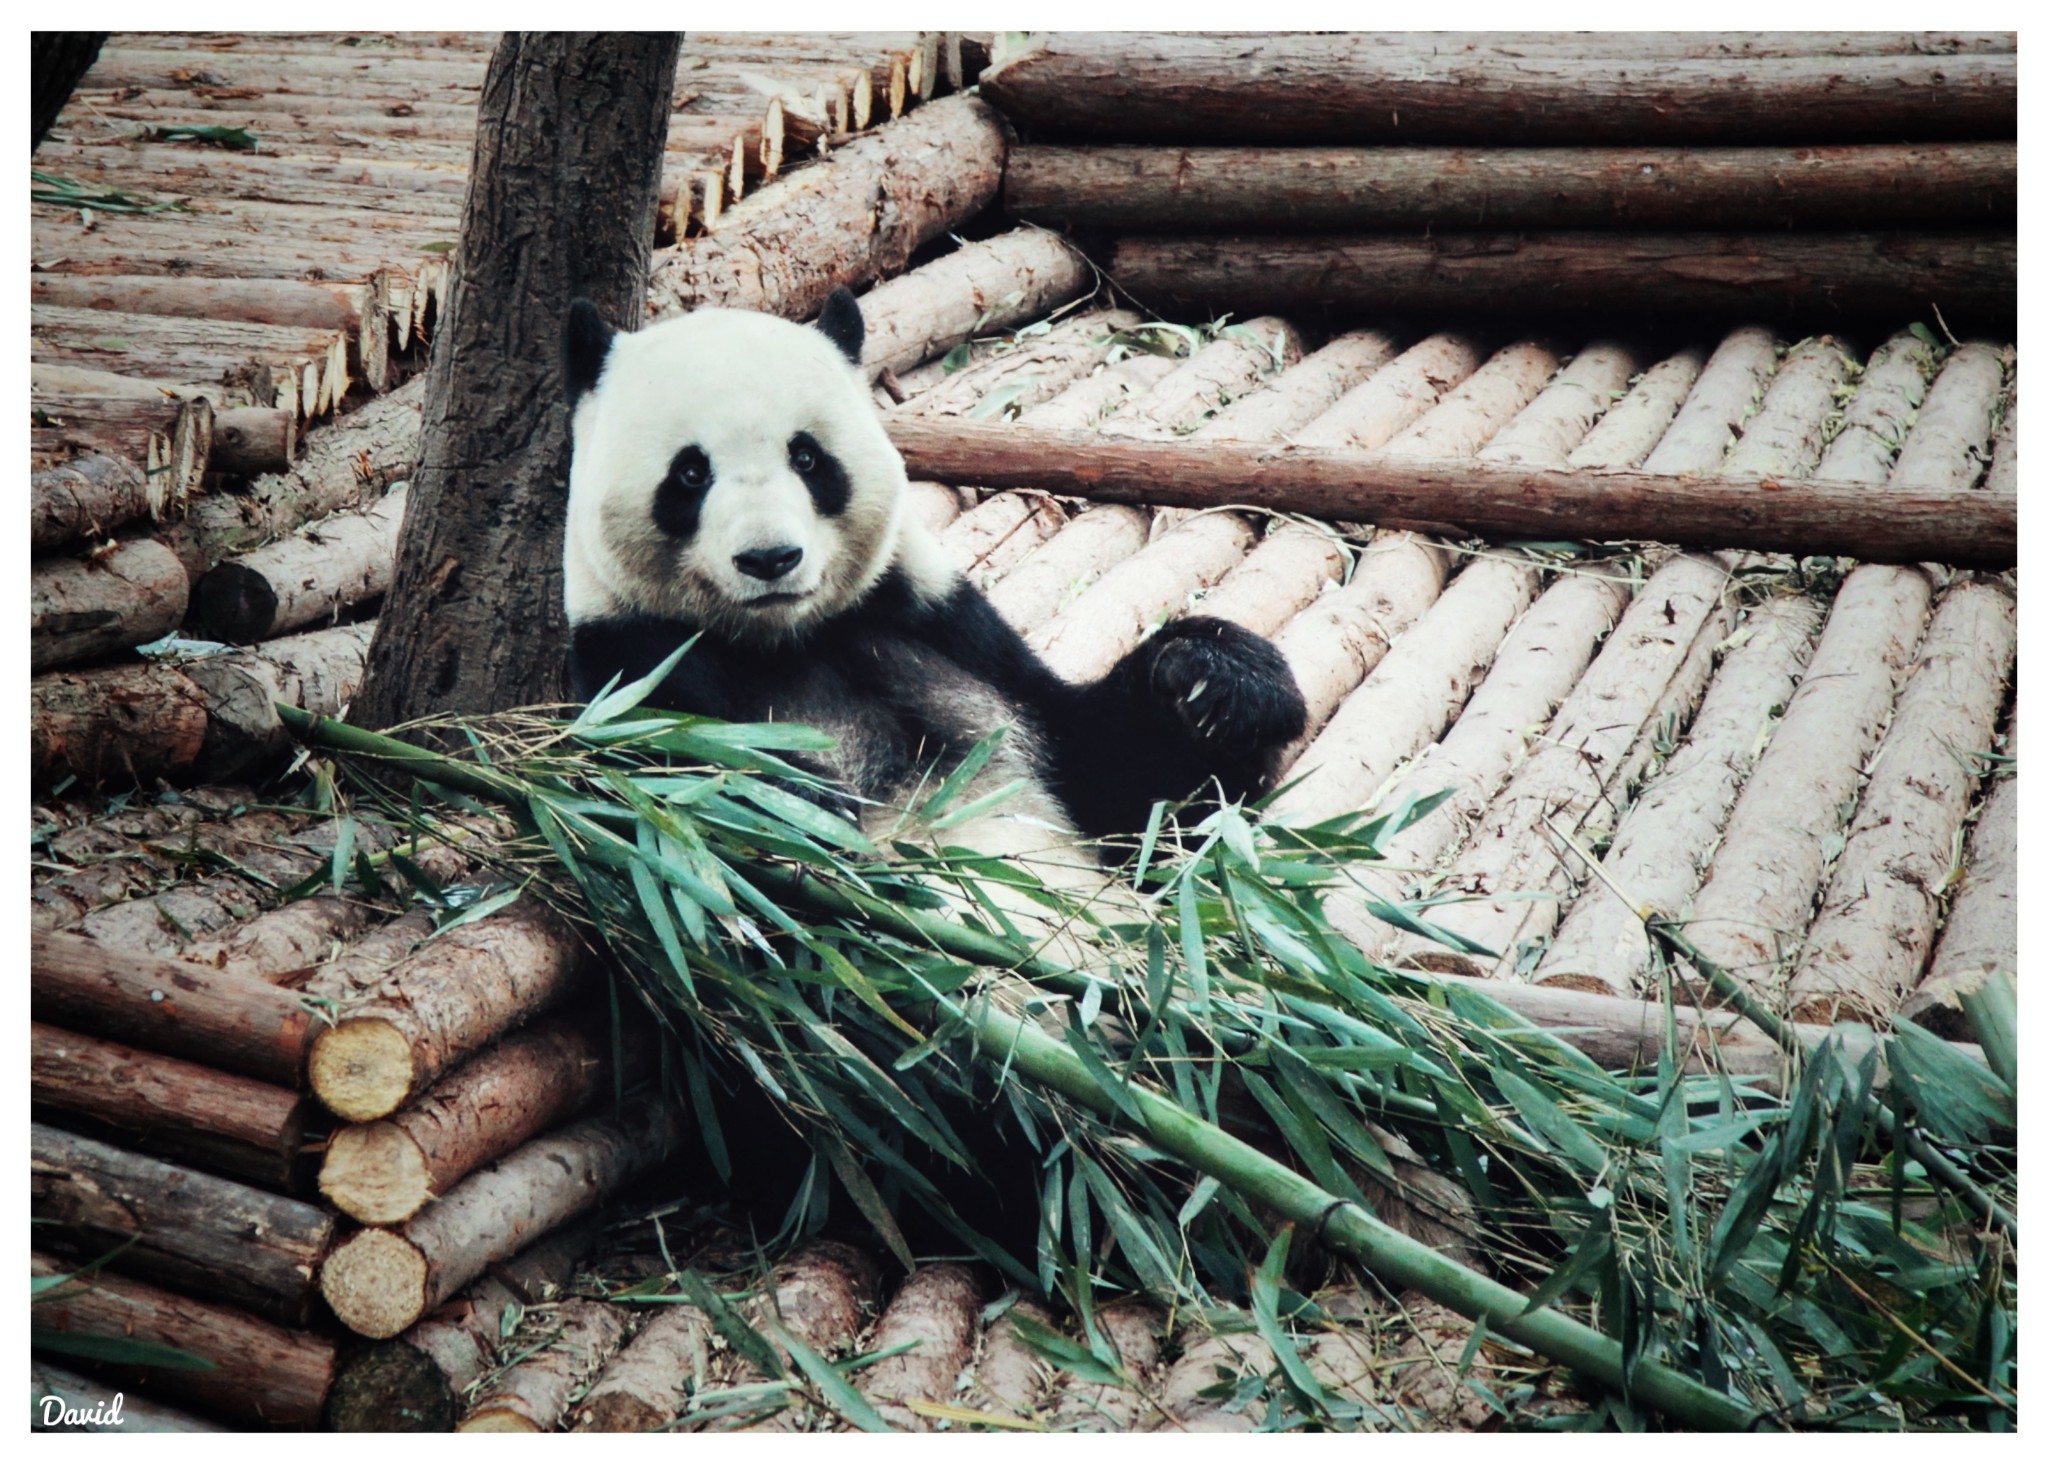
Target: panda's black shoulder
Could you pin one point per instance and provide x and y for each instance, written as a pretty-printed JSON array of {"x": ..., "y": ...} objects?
[
  {"x": 959, "y": 622},
  {"x": 629, "y": 646}
]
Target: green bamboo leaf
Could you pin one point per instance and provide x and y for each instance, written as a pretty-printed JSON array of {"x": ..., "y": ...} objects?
[
  {"x": 609, "y": 705},
  {"x": 834, "y": 1390},
  {"x": 481, "y": 909},
  {"x": 1063, "y": 1352},
  {"x": 1550, "y": 1121},
  {"x": 969, "y": 768},
  {"x": 344, "y": 851},
  {"x": 124, "y": 1351},
  {"x": 428, "y": 887},
  {"x": 868, "y": 1200},
  {"x": 747, "y": 1342},
  {"x": 1266, "y": 1316}
]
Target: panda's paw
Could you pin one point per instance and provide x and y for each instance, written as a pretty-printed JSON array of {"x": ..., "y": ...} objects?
[{"x": 1229, "y": 689}]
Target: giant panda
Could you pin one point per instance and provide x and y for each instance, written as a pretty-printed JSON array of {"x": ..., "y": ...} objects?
[{"x": 731, "y": 480}]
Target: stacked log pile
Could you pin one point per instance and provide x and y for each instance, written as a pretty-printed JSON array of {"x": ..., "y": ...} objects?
[{"x": 1808, "y": 176}]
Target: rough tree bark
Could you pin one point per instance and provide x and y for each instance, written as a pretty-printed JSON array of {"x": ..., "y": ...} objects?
[{"x": 562, "y": 196}]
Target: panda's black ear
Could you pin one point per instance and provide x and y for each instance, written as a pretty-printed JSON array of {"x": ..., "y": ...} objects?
[
  {"x": 586, "y": 341},
  {"x": 841, "y": 322}
]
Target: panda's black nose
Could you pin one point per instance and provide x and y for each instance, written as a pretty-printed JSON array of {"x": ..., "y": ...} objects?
[{"x": 769, "y": 564}]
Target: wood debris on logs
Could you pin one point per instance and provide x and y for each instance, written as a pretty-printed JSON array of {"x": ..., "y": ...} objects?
[
  {"x": 379, "y": 1282},
  {"x": 1658, "y": 852},
  {"x": 1877, "y": 418},
  {"x": 857, "y": 220},
  {"x": 1870, "y": 940},
  {"x": 938, "y": 1308},
  {"x": 80, "y": 609},
  {"x": 442, "y": 1004},
  {"x": 1551, "y": 428},
  {"x": 979, "y": 288},
  {"x": 1334, "y": 642},
  {"x": 382, "y": 1173},
  {"x": 278, "y": 944},
  {"x": 1084, "y": 640},
  {"x": 1636, "y": 424},
  {"x": 263, "y": 1374},
  {"x": 205, "y": 1236},
  {"x": 1757, "y": 899},
  {"x": 1789, "y": 431},
  {"x": 1534, "y": 670},
  {"x": 233, "y": 1023},
  {"x": 323, "y": 569},
  {"x": 1296, "y": 89},
  {"x": 1134, "y": 1328},
  {"x": 1064, "y": 566},
  {"x": 1242, "y": 358},
  {"x": 997, "y": 534},
  {"x": 1951, "y": 438},
  {"x": 1963, "y": 528},
  {"x": 1394, "y": 396},
  {"x": 1034, "y": 368},
  {"x": 1093, "y": 398},
  {"x": 1969, "y": 277},
  {"x": 1729, "y": 389},
  {"x": 1338, "y": 190},
  {"x": 181, "y": 1111},
  {"x": 1303, "y": 392},
  {"x": 1980, "y": 936},
  {"x": 533, "y": 1395},
  {"x": 419, "y": 1382},
  {"x": 1412, "y": 694}
]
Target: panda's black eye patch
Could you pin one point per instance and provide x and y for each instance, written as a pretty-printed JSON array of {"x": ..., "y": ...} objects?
[
  {"x": 822, "y": 474},
  {"x": 681, "y": 494}
]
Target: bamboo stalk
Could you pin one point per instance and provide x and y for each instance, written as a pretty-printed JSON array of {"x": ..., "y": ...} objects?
[{"x": 1962, "y": 528}]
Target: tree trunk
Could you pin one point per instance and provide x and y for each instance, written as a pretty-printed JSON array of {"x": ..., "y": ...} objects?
[
  {"x": 1966, "y": 528},
  {"x": 562, "y": 197},
  {"x": 1165, "y": 190},
  {"x": 56, "y": 60}
]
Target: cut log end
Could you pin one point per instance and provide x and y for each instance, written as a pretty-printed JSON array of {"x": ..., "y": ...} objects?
[
  {"x": 376, "y": 1173},
  {"x": 499, "y": 1420},
  {"x": 362, "y": 1069},
  {"x": 376, "y": 1283}
]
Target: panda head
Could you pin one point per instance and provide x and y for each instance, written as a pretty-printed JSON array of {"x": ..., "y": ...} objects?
[{"x": 729, "y": 471}]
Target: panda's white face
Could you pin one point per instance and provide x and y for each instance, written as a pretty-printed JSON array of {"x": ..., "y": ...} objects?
[{"x": 729, "y": 471}]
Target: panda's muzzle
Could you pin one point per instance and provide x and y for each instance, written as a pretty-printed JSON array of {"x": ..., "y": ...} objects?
[{"x": 768, "y": 564}]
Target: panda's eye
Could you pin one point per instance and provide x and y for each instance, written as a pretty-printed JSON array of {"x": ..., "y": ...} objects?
[
  {"x": 803, "y": 454},
  {"x": 694, "y": 471}
]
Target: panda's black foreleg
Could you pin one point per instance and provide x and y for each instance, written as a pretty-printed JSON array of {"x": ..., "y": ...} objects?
[{"x": 1203, "y": 706}]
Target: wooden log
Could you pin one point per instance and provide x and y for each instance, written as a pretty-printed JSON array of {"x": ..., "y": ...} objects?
[
  {"x": 1197, "y": 1393},
  {"x": 1656, "y": 855},
  {"x": 1878, "y": 416},
  {"x": 249, "y": 441},
  {"x": 178, "y": 1227},
  {"x": 1024, "y": 370},
  {"x": 1468, "y": 416},
  {"x": 996, "y": 534},
  {"x": 938, "y": 1308},
  {"x": 278, "y": 944},
  {"x": 648, "y": 1384},
  {"x": 263, "y": 1374},
  {"x": 379, "y": 1282},
  {"x": 74, "y": 1399},
  {"x": 1161, "y": 190},
  {"x": 1758, "y": 895},
  {"x": 1394, "y": 396},
  {"x": 1636, "y": 423},
  {"x": 1535, "y": 668},
  {"x": 1114, "y": 614},
  {"x": 1969, "y": 277},
  {"x": 935, "y": 505},
  {"x": 1090, "y": 400},
  {"x": 1284, "y": 573},
  {"x": 1980, "y": 934},
  {"x": 419, "y": 1382},
  {"x": 979, "y": 288},
  {"x": 1241, "y": 359},
  {"x": 443, "y": 1004},
  {"x": 1509, "y": 868},
  {"x": 1301, "y": 393},
  {"x": 1551, "y": 428},
  {"x": 2003, "y": 476},
  {"x": 1345, "y": 89},
  {"x": 87, "y": 496},
  {"x": 163, "y": 345},
  {"x": 1134, "y": 1328},
  {"x": 182, "y": 1111},
  {"x": 1010, "y": 1379},
  {"x": 382, "y": 1173},
  {"x": 344, "y": 980},
  {"x": 241, "y": 1026},
  {"x": 1869, "y": 943},
  {"x": 326, "y": 567},
  {"x": 1335, "y": 642},
  {"x": 1961, "y": 528},
  {"x": 83, "y": 608},
  {"x": 1951, "y": 438},
  {"x": 533, "y": 1395},
  {"x": 822, "y": 1296},
  {"x": 343, "y": 466},
  {"x": 172, "y": 438},
  {"x": 1413, "y": 693},
  {"x": 858, "y": 220},
  {"x": 1789, "y": 431},
  {"x": 1067, "y": 564}
]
